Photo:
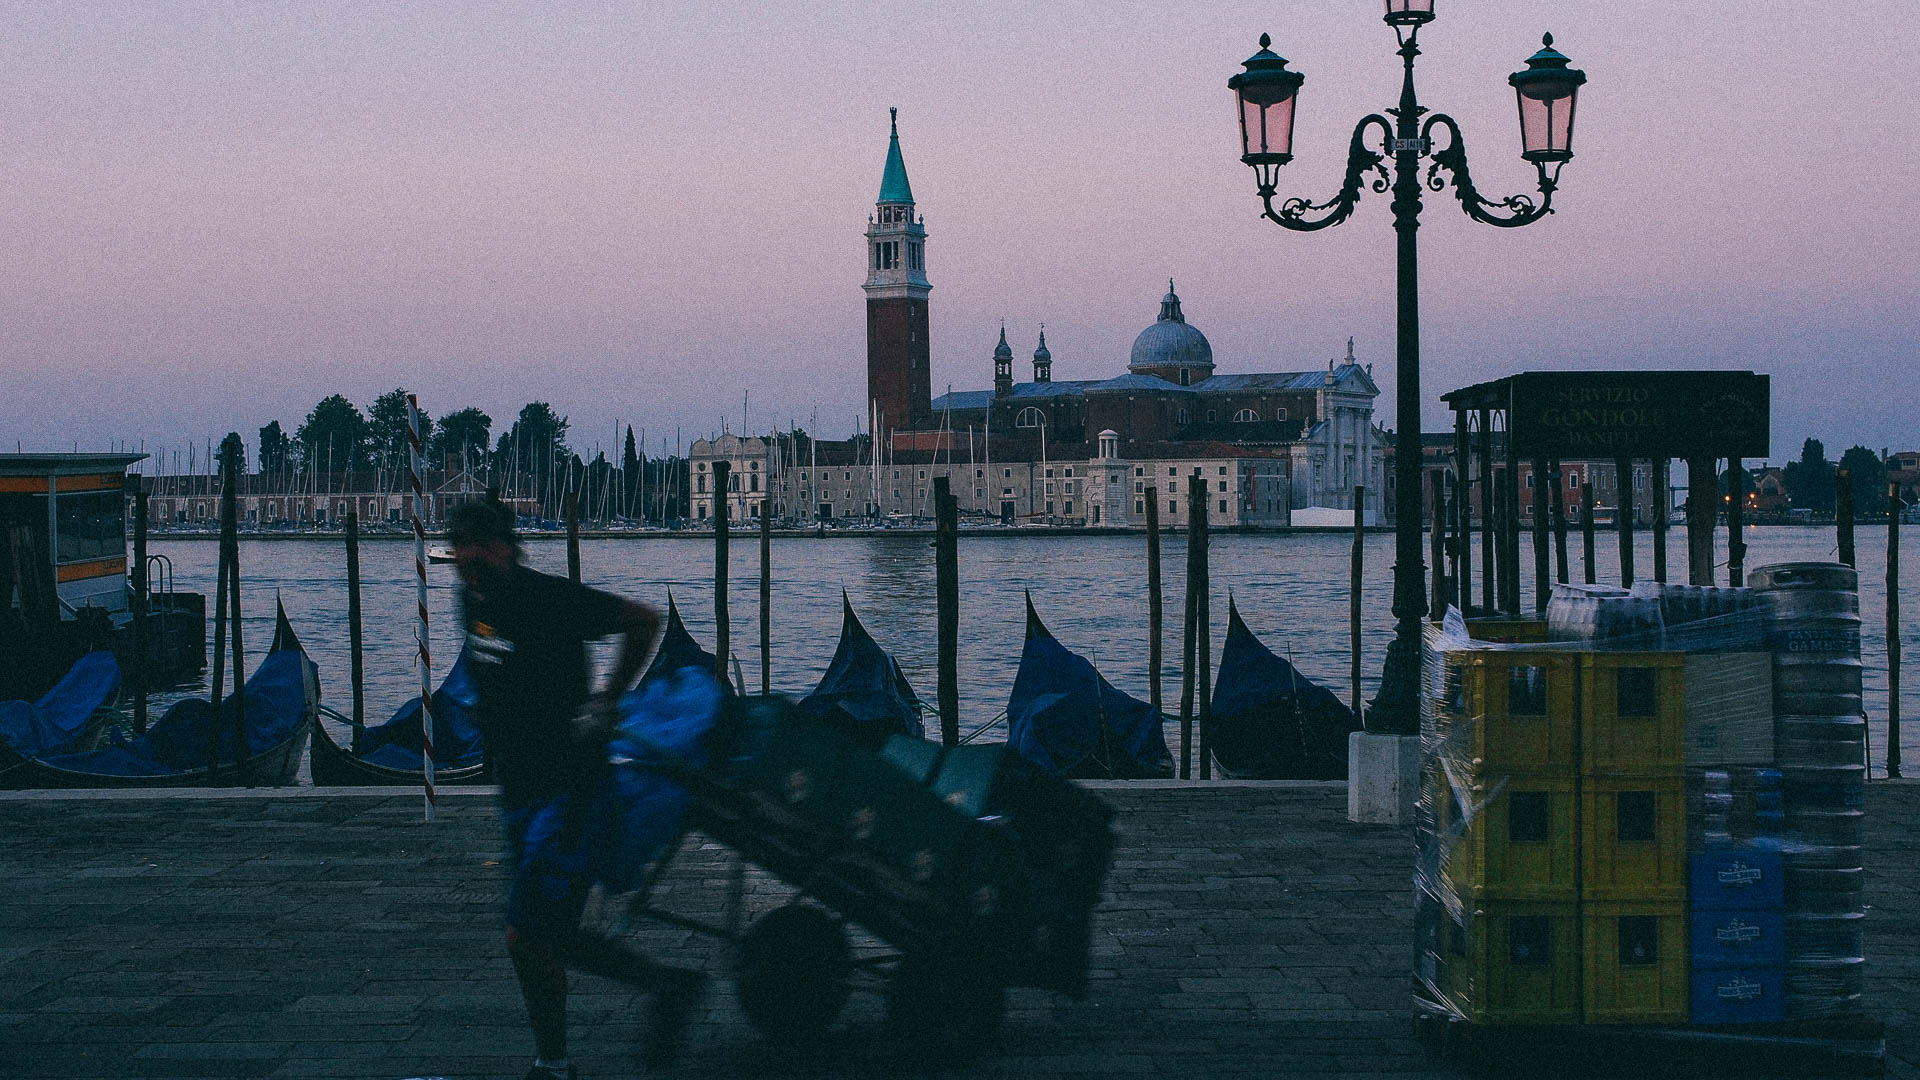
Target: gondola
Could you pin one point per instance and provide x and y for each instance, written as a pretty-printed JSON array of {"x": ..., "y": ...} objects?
[
  {"x": 389, "y": 754},
  {"x": 1067, "y": 719},
  {"x": 281, "y": 700},
  {"x": 864, "y": 692},
  {"x": 678, "y": 650},
  {"x": 1268, "y": 721},
  {"x": 68, "y": 717}
]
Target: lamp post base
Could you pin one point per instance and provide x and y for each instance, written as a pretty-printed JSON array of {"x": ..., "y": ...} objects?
[{"x": 1383, "y": 778}]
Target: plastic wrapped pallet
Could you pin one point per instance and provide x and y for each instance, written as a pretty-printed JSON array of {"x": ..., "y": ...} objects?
[{"x": 1597, "y": 810}]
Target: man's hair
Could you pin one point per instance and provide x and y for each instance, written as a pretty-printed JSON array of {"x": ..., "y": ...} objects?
[{"x": 481, "y": 523}]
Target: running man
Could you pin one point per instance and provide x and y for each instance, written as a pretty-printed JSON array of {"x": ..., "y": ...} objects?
[{"x": 546, "y": 735}]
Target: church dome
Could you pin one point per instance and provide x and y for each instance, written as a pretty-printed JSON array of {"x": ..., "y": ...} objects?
[{"x": 1171, "y": 344}]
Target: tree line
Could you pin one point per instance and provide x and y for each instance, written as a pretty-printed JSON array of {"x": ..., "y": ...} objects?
[{"x": 1813, "y": 482}]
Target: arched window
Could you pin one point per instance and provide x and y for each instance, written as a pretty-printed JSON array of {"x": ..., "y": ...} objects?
[
  {"x": 1030, "y": 417},
  {"x": 1246, "y": 416}
]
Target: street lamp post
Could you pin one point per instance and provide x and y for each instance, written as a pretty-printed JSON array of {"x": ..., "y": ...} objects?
[{"x": 1266, "y": 93}]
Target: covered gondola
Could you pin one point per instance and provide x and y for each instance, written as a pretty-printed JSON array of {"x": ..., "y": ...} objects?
[
  {"x": 68, "y": 717},
  {"x": 1067, "y": 719},
  {"x": 195, "y": 745},
  {"x": 1268, "y": 721},
  {"x": 678, "y": 650},
  {"x": 389, "y": 753},
  {"x": 864, "y": 692}
]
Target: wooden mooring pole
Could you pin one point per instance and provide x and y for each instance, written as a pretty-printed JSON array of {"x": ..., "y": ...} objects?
[
  {"x": 1436, "y": 542},
  {"x": 357, "y": 671},
  {"x": 1559, "y": 494},
  {"x": 1623, "y": 515},
  {"x": 1703, "y": 513},
  {"x": 1662, "y": 511},
  {"x": 1586, "y": 527},
  {"x": 722, "y": 644},
  {"x": 1489, "y": 512},
  {"x": 141, "y": 659},
  {"x": 1202, "y": 623},
  {"x": 230, "y": 541},
  {"x": 1736, "y": 526},
  {"x": 1463, "y": 510},
  {"x": 573, "y": 537},
  {"x": 1355, "y": 576},
  {"x": 1542, "y": 586},
  {"x": 1188, "y": 651},
  {"x": 766, "y": 597},
  {"x": 1152, "y": 501},
  {"x": 218, "y": 690},
  {"x": 1894, "y": 506},
  {"x": 946, "y": 557},
  {"x": 1843, "y": 513}
]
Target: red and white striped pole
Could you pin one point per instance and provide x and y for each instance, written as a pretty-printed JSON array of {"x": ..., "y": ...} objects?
[{"x": 417, "y": 464}]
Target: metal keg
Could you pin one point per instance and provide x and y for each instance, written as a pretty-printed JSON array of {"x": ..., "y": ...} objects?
[
  {"x": 1813, "y": 619},
  {"x": 1821, "y": 936},
  {"x": 1820, "y": 740},
  {"x": 1825, "y": 987}
]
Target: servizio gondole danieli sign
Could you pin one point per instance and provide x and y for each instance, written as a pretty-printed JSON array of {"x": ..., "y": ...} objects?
[{"x": 1630, "y": 414}]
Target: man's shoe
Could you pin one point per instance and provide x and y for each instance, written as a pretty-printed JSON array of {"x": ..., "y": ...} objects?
[{"x": 673, "y": 1007}]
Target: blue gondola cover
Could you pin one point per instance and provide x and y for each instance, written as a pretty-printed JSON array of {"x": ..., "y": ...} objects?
[
  {"x": 1066, "y": 718},
  {"x": 279, "y": 698},
  {"x": 1268, "y": 721},
  {"x": 456, "y": 737},
  {"x": 638, "y": 808},
  {"x": 864, "y": 690},
  {"x": 52, "y": 724}
]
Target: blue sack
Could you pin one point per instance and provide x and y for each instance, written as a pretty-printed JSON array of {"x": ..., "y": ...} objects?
[{"x": 638, "y": 809}]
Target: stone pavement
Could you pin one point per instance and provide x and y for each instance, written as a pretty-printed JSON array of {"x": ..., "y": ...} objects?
[{"x": 1249, "y": 931}]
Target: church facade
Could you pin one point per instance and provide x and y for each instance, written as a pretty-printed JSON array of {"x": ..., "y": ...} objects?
[{"x": 1093, "y": 452}]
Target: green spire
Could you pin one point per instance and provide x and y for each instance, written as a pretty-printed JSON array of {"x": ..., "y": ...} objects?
[{"x": 893, "y": 183}]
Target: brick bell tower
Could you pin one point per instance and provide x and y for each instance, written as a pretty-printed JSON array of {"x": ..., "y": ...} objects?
[{"x": 899, "y": 383}]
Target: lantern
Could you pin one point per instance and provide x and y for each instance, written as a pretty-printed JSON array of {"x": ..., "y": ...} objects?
[
  {"x": 1266, "y": 93},
  {"x": 1409, "y": 12},
  {"x": 1547, "y": 89}
]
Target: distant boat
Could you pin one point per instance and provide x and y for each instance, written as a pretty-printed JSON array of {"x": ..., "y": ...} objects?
[
  {"x": 185, "y": 748},
  {"x": 864, "y": 691},
  {"x": 389, "y": 753},
  {"x": 66, "y": 718},
  {"x": 1269, "y": 722},
  {"x": 1067, "y": 719},
  {"x": 440, "y": 555}
]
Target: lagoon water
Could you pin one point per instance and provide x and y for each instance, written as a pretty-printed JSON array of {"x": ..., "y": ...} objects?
[{"x": 1292, "y": 590}]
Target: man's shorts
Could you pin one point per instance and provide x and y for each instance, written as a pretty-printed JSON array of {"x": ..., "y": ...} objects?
[{"x": 548, "y": 861}]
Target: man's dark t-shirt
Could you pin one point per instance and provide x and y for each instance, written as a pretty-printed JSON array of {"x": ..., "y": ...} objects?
[{"x": 526, "y": 635}]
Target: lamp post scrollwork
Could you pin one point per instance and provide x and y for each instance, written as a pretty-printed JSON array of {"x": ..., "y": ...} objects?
[{"x": 1266, "y": 93}]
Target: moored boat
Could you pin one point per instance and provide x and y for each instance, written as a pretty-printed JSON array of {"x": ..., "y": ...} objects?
[
  {"x": 864, "y": 692},
  {"x": 195, "y": 745},
  {"x": 68, "y": 717},
  {"x": 1269, "y": 722},
  {"x": 1063, "y": 716},
  {"x": 389, "y": 754}
]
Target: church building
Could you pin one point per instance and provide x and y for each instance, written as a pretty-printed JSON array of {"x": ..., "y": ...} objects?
[{"x": 1264, "y": 444}]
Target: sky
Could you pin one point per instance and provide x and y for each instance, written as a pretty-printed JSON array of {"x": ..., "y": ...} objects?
[{"x": 213, "y": 215}]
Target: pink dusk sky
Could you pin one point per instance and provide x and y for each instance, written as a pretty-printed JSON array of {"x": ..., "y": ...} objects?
[{"x": 216, "y": 214}]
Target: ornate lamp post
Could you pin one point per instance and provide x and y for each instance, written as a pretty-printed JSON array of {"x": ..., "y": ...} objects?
[{"x": 1266, "y": 93}]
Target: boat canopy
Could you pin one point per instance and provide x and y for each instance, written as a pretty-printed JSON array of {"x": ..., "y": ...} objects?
[
  {"x": 52, "y": 724},
  {"x": 864, "y": 691},
  {"x": 1269, "y": 722},
  {"x": 1066, "y": 718},
  {"x": 456, "y": 736}
]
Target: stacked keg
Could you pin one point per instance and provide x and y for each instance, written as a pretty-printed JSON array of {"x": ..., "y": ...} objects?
[{"x": 1813, "y": 630}]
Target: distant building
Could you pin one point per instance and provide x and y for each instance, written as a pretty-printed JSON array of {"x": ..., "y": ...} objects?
[{"x": 1903, "y": 469}]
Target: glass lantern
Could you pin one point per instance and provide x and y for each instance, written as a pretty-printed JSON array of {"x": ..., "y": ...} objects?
[{"x": 1547, "y": 90}]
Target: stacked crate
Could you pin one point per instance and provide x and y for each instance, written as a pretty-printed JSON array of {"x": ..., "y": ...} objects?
[
  {"x": 1633, "y": 839},
  {"x": 1737, "y": 937},
  {"x": 1555, "y": 874},
  {"x": 1505, "y": 872}
]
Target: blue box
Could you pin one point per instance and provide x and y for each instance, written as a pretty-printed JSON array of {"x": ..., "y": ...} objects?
[
  {"x": 1746, "y": 880},
  {"x": 1737, "y": 938},
  {"x": 1737, "y": 995}
]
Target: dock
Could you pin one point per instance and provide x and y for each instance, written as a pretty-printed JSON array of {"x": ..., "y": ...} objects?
[{"x": 1248, "y": 931}]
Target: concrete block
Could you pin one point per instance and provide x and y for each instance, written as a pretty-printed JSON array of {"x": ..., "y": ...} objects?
[{"x": 1383, "y": 778}]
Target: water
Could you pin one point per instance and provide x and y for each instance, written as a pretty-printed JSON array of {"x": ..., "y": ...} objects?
[{"x": 1090, "y": 591}]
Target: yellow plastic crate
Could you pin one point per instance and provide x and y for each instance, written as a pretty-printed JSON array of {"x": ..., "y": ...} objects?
[
  {"x": 1516, "y": 840},
  {"x": 1634, "y": 966},
  {"x": 1633, "y": 838},
  {"x": 1633, "y": 712},
  {"x": 1510, "y": 711},
  {"x": 1515, "y": 963}
]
